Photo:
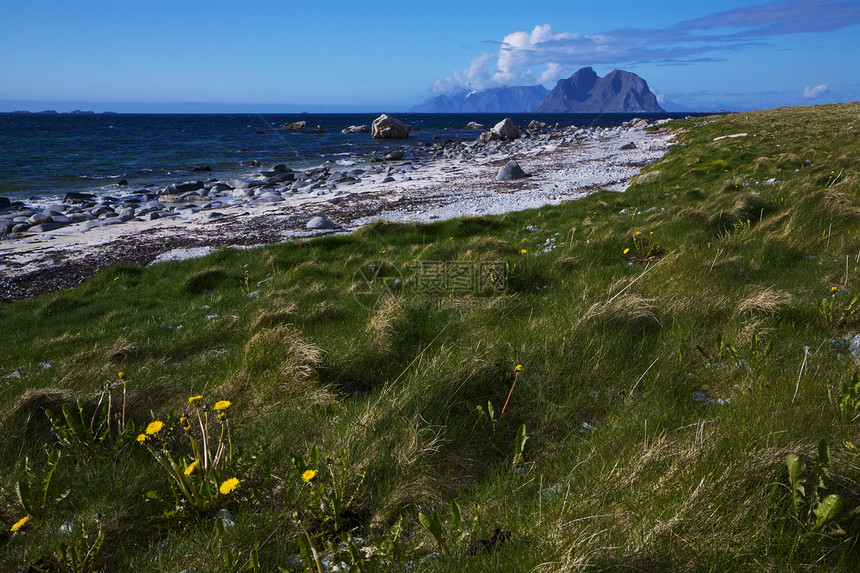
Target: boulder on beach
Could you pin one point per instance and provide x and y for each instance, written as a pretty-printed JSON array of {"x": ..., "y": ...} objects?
[
  {"x": 295, "y": 125},
  {"x": 356, "y": 129},
  {"x": 73, "y": 197},
  {"x": 387, "y": 127},
  {"x": 534, "y": 125},
  {"x": 506, "y": 129},
  {"x": 396, "y": 155},
  {"x": 474, "y": 125},
  {"x": 185, "y": 187},
  {"x": 511, "y": 170},
  {"x": 321, "y": 222}
]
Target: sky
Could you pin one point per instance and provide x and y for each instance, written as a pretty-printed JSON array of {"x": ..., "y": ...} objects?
[{"x": 381, "y": 55}]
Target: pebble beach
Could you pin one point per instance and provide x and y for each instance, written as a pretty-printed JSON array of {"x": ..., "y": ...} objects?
[{"x": 50, "y": 247}]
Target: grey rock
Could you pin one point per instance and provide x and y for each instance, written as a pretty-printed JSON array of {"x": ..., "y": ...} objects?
[
  {"x": 534, "y": 125},
  {"x": 39, "y": 219},
  {"x": 177, "y": 188},
  {"x": 295, "y": 125},
  {"x": 269, "y": 197},
  {"x": 80, "y": 217},
  {"x": 356, "y": 129},
  {"x": 387, "y": 127},
  {"x": 388, "y": 179},
  {"x": 219, "y": 188},
  {"x": 487, "y": 137},
  {"x": 394, "y": 155},
  {"x": 474, "y": 125},
  {"x": 628, "y": 145},
  {"x": 511, "y": 170},
  {"x": 201, "y": 167},
  {"x": 321, "y": 222},
  {"x": 20, "y": 227},
  {"x": 76, "y": 198},
  {"x": 62, "y": 219},
  {"x": 5, "y": 203},
  {"x": 506, "y": 129},
  {"x": 46, "y": 227}
]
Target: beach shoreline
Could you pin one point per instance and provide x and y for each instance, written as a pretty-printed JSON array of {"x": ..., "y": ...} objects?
[{"x": 562, "y": 164}]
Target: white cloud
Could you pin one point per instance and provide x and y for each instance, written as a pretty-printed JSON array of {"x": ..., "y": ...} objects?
[
  {"x": 552, "y": 73},
  {"x": 814, "y": 92},
  {"x": 544, "y": 55}
]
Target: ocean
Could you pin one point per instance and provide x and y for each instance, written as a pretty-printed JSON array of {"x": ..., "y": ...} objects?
[{"x": 43, "y": 156}]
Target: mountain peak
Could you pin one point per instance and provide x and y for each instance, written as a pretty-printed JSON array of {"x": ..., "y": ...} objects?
[
  {"x": 585, "y": 92},
  {"x": 516, "y": 99}
]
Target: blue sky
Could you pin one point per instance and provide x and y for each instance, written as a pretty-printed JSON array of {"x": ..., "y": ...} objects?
[{"x": 294, "y": 55}]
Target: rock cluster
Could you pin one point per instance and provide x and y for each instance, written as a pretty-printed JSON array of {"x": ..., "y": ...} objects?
[{"x": 277, "y": 183}]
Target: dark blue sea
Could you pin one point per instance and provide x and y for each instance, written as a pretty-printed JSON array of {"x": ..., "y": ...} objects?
[{"x": 44, "y": 156}]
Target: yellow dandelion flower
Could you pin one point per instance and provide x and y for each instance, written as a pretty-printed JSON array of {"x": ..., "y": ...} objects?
[
  {"x": 834, "y": 289},
  {"x": 524, "y": 251},
  {"x": 638, "y": 233},
  {"x": 121, "y": 375},
  {"x": 191, "y": 467},
  {"x": 228, "y": 486},
  {"x": 518, "y": 367},
  {"x": 194, "y": 399},
  {"x": 141, "y": 438},
  {"x": 20, "y": 523},
  {"x": 154, "y": 427},
  {"x": 383, "y": 252},
  {"x": 222, "y": 405},
  {"x": 222, "y": 415},
  {"x": 308, "y": 475},
  {"x": 627, "y": 250}
]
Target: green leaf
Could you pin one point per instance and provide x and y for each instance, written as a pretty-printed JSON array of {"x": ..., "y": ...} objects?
[
  {"x": 305, "y": 550},
  {"x": 73, "y": 421},
  {"x": 433, "y": 524},
  {"x": 254, "y": 559},
  {"x": 22, "y": 490},
  {"x": 797, "y": 479},
  {"x": 220, "y": 528},
  {"x": 53, "y": 462},
  {"x": 827, "y": 510},
  {"x": 457, "y": 517},
  {"x": 519, "y": 445}
]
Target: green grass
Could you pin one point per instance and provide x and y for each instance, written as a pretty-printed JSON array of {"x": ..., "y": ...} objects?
[{"x": 623, "y": 468}]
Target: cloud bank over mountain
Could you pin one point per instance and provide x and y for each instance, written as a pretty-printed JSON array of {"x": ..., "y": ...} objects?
[{"x": 544, "y": 55}]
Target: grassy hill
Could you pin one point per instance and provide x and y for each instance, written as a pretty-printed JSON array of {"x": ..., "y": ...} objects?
[{"x": 660, "y": 379}]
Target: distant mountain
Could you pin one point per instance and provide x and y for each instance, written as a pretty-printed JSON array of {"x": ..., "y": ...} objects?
[
  {"x": 517, "y": 99},
  {"x": 586, "y": 92}
]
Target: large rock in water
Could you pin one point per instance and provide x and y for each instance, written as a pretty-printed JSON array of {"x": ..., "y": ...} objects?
[
  {"x": 356, "y": 129},
  {"x": 506, "y": 129},
  {"x": 295, "y": 125},
  {"x": 511, "y": 170},
  {"x": 387, "y": 127},
  {"x": 586, "y": 92}
]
